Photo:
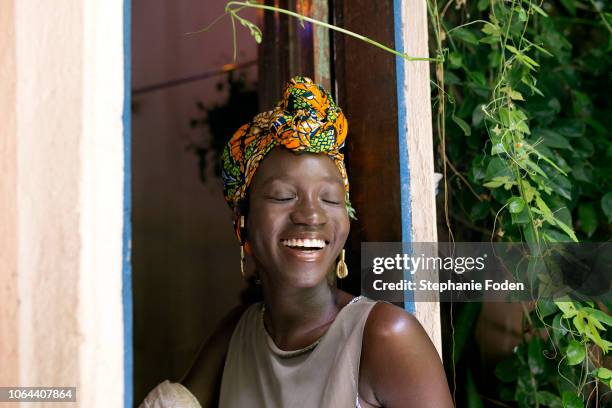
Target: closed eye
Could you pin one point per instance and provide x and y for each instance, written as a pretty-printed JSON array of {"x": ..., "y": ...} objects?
[
  {"x": 331, "y": 201},
  {"x": 281, "y": 199}
]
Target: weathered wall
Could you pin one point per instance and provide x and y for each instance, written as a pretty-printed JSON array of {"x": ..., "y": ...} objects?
[
  {"x": 9, "y": 334},
  {"x": 61, "y": 197},
  {"x": 49, "y": 121},
  {"x": 185, "y": 256}
]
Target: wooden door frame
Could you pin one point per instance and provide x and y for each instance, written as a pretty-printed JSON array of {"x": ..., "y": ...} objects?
[{"x": 387, "y": 103}]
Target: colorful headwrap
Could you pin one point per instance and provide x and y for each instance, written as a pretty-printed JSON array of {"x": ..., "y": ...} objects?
[{"x": 305, "y": 120}]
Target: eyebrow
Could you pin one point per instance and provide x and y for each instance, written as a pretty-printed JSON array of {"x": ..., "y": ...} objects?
[{"x": 328, "y": 179}]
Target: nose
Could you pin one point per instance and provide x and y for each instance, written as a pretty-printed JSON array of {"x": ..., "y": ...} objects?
[{"x": 308, "y": 211}]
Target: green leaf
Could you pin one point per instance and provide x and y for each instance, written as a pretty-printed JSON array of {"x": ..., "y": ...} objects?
[
  {"x": 569, "y": 6},
  {"x": 513, "y": 49},
  {"x": 497, "y": 148},
  {"x": 575, "y": 352},
  {"x": 522, "y": 14},
  {"x": 473, "y": 397},
  {"x": 606, "y": 205},
  {"x": 516, "y": 204},
  {"x": 539, "y": 152},
  {"x": 546, "y": 212},
  {"x": 528, "y": 190},
  {"x": 466, "y": 320},
  {"x": 567, "y": 307},
  {"x": 254, "y": 29},
  {"x": 483, "y": 5},
  {"x": 603, "y": 373},
  {"x": 521, "y": 218},
  {"x": 558, "y": 329},
  {"x": 450, "y": 78},
  {"x": 504, "y": 116},
  {"x": 463, "y": 125},
  {"x": 480, "y": 210},
  {"x": 497, "y": 182},
  {"x": 560, "y": 184},
  {"x": 552, "y": 139},
  {"x": 566, "y": 228},
  {"x": 588, "y": 218},
  {"x": 491, "y": 29},
  {"x": 515, "y": 95},
  {"x": 498, "y": 168},
  {"x": 455, "y": 59},
  {"x": 489, "y": 39},
  {"x": 599, "y": 315},
  {"x": 553, "y": 235},
  {"x": 549, "y": 399},
  {"x": 546, "y": 307},
  {"x": 583, "y": 148},
  {"x": 579, "y": 323},
  {"x": 477, "y": 115},
  {"x": 570, "y": 128},
  {"x": 465, "y": 35},
  {"x": 582, "y": 172},
  {"x": 571, "y": 400},
  {"x": 538, "y": 10},
  {"x": 507, "y": 369},
  {"x": 535, "y": 356},
  {"x": 544, "y": 110}
]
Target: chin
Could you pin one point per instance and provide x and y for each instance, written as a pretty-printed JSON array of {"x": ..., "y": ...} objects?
[{"x": 306, "y": 278}]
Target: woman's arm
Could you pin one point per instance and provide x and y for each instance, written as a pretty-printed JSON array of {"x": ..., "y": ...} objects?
[
  {"x": 399, "y": 363},
  {"x": 204, "y": 377}
]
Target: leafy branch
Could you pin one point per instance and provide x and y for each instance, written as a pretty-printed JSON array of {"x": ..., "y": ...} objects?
[{"x": 232, "y": 8}]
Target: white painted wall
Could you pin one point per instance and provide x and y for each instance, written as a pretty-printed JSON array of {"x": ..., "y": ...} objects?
[{"x": 65, "y": 153}]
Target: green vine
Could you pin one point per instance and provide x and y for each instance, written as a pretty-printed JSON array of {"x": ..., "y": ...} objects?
[
  {"x": 232, "y": 8},
  {"x": 523, "y": 125}
]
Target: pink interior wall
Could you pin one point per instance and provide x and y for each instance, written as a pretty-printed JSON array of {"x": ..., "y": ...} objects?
[
  {"x": 186, "y": 273},
  {"x": 9, "y": 324}
]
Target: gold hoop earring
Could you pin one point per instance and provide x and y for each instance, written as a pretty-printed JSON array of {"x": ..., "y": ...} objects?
[
  {"x": 341, "y": 268},
  {"x": 242, "y": 258}
]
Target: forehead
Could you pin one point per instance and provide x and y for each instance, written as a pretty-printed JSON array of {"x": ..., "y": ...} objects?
[{"x": 280, "y": 163}]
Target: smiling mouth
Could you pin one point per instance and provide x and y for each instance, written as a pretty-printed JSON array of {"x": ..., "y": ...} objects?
[{"x": 307, "y": 244}]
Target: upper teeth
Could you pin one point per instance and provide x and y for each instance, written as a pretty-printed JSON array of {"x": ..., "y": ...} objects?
[{"x": 309, "y": 243}]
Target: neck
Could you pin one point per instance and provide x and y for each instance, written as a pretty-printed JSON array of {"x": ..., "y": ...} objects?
[{"x": 296, "y": 317}]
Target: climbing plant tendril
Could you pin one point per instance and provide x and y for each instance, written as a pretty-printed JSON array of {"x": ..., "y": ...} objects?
[{"x": 232, "y": 9}]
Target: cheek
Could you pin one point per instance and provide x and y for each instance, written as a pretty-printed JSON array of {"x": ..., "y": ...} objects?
[
  {"x": 262, "y": 229},
  {"x": 343, "y": 227}
]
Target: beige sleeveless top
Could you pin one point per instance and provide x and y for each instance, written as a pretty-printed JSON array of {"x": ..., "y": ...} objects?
[{"x": 323, "y": 375}]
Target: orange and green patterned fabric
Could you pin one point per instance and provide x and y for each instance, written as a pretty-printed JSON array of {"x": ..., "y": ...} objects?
[{"x": 305, "y": 120}]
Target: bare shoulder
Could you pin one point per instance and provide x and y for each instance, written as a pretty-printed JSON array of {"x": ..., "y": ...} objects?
[
  {"x": 387, "y": 321},
  {"x": 399, "y": 364}
]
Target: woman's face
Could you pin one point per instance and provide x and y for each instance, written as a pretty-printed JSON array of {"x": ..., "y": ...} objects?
[{"x": 297, "y": 221}]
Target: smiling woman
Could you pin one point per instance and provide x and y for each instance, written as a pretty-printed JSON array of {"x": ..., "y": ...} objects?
[{"x": 308, "y": 344}]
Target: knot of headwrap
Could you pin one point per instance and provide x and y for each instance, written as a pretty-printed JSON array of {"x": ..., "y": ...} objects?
[{"x": 305, "y": 120}]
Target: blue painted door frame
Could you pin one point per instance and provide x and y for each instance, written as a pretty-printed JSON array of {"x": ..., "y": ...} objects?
[
  {"x": 406, "y": 212},
  {"x": 128, "y": 362}
]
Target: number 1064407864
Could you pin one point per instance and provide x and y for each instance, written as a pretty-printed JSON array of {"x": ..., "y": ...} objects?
[{"x": 37, "y": 394}]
